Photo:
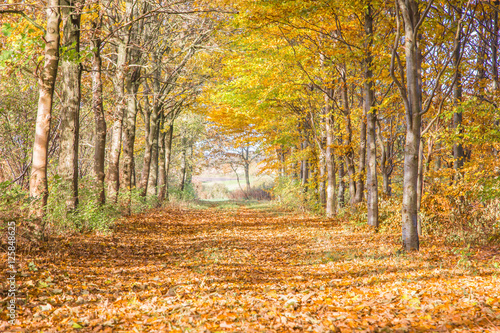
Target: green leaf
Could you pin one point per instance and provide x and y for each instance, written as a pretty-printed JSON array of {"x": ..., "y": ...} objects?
[{"x": 7, "y": 29}]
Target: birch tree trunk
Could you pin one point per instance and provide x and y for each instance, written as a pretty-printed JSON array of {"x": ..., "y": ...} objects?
[
  {"x": 46, "y": 82},
  {"x": 71, "y": 94}
]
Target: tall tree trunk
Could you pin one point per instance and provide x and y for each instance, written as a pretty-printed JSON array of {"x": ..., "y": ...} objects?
[
  {"x": 322, "y": 182},
  {"x": 494, "y": 66},
  {"x": 420, "y": 184},
  {"x": 341, "y": 191},
  {"x": 100, "y": 121},
  {"x": 386, "y": 167},
  {"x": 184, "y": 164},
  {"x": 413, "y": 107},
  {"x": 162, "y": 175},
  {"x": 305, "y": 165},
  {"x": 146, "y": 178},
  {"x": 494, "y": 48},
  {"x": 117, "y": 127},
  {"x": 458, "y": 149},
  {"x": 71, "y": 94},
  {"x": 163, "y": 194},
  {"x": 153, "y": 172},
  {"x": 149, "y": 116},
  {"x": 349, "y": 160},
  {"x": 246, "y": 168},
  {"x": 46, "y": 82},
  {"x": 129, "y": 120},
  {"x": 331, "y": 204},
  {"x": 371, "y": 121},
  {"x": 114, "y": 158},
  {"x": 360, "y": 179}
]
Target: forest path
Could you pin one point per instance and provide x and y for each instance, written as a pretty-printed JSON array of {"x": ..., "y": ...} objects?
[{"x": 253, "y": 270}]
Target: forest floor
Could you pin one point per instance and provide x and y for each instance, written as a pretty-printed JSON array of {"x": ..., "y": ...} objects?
[{"x": 241, "y": 269}]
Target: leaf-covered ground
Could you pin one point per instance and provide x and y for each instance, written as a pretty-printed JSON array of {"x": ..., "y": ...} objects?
[{"x": 249, "y": 270}]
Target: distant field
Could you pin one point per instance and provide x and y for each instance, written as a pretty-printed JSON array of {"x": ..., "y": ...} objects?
[{"x": 230, "y": 181}]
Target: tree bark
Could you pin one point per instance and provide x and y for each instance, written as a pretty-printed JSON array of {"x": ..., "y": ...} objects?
[
  {"x": 331, "y": 205},
  {"x": 341, "y": 191},
  {"x": 322, "y": 182},
  {"x": 46, "y": 82},
  {"x": 246, "y": 168},
  {"x": 163, "y": 194},
  {"x": 129, "y": 120},
  {"x": 360, "y": 177},
  {"x": 305, "y": 166},
  {"x": 420, "y": 184},
  {"x": 413, "y": 108},
  {"x": 458, "y": 149},
  {"x": 161, "y": 160},
  {"x": 117, "y": 127},
  {"x": 184, "y": 165},
  {"x": 371, "y": 121},
  {"x": 494, "y": 48},
  {"x": 349, "y": 160},
  {"x": 386, "y": 166},
  {"x": 71, "y": 95},
  {"x": 100, "y": 121},
  {"x": 150, "y": 115},
  {"x": 153, "y": 172}
]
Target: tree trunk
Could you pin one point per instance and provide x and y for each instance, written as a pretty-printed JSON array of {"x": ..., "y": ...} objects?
[
  {"x": 100, "y": 121},
  {"x": 153, "y": 165},
  {"x": 184, "y": 164},
  {"x": 458, "y": 149},
  {"x": 349, "y": 160},
  {"x": 331, "y": 204},
  {"x": 494, "y": 48},
  {"x": 371, "y": 121},
  {"x": 305, "y": 166},
  {"x": 150, "y": 117},
  {"x": 341, "y": 192},
  {"x": 168, "y": 151},
  {"x": 152, "y": 133},
  {"x": 162, "y": 176},
  {"x": 114, "y": 159},
  {"x": 420, "y": 184},
  {"x": 117, "y": 127},
  {"x": 385, "y": 166},
  {"x": 322, "y": 182},
  {"x": 47, "y": 79},
  {"x": 246, "y": 168},
  {"x": 360, "y": 178},
  {"x": 129, "y": 120},
  {"x": 413, "y": 107},
  {"x": 71, "y": 94}
]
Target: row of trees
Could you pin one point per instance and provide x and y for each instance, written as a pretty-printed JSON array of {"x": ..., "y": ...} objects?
[
  {"x": 345, "y": 93},
  {"x": 112, "y": 61}
]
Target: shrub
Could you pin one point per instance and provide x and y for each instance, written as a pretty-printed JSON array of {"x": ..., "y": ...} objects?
[
  {"x": 87, "y": 217},
  {"x": 288, "y": 193},
  {"x": 252, "y": 194}
]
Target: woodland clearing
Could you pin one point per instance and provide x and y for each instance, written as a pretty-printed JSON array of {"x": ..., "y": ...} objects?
[{"x": 245, "y": 269}]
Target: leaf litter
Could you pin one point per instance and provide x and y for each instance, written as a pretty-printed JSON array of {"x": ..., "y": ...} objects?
[{"x": 247, "y": 270}]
